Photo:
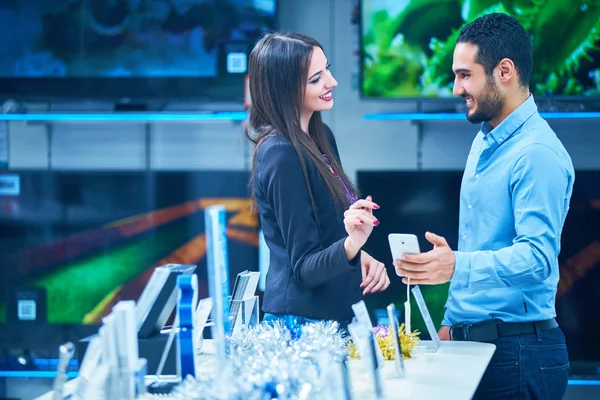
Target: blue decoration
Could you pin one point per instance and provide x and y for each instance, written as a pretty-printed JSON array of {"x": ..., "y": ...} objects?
[{"x": 186, "y": 305}]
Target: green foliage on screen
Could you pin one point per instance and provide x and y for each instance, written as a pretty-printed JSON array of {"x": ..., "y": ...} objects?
[{"x": 407, "y": 46}]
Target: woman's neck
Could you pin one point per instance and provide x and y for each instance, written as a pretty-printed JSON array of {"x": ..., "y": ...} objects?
[{"x": 305, "y": 120}]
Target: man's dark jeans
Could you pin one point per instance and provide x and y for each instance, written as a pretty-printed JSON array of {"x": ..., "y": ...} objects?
[{"x": 532, "y": 366}]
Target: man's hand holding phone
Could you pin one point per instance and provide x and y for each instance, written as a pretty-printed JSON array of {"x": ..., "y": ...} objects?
[{"x": 430, "y": 268}]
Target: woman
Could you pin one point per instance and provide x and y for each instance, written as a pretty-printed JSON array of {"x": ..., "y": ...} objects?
[{"x": 317, "y": 268}]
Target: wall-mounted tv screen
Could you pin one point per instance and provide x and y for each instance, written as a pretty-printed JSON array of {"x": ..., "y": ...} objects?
[
  {"x": 130, "y": 48},
  {"x": 91, "y": 239},
  {"x": 407, "y": 45}
]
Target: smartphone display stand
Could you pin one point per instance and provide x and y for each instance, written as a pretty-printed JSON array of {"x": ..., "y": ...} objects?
[{"x": 248, "y": 313}]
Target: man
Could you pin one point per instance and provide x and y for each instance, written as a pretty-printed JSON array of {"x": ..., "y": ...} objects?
[{"x": 514, "y": 198}]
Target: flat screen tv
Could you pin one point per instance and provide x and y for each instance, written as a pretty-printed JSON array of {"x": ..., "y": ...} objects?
[
  {"x": 407, "y": 45},
  {"x": 90, "y": 239},
  {"x": 138, "y": 49}
]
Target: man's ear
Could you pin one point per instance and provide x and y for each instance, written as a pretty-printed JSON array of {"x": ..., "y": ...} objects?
[{"x": 507, "y": 70}]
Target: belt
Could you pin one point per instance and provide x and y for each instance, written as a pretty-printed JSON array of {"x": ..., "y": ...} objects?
[{"x": 493, "y": 329}]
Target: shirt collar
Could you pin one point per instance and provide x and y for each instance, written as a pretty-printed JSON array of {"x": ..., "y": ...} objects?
[{"x": 511, "y": 123}]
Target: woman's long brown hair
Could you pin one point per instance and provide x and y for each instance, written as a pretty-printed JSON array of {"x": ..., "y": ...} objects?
[{"x": 278, "y": 69}]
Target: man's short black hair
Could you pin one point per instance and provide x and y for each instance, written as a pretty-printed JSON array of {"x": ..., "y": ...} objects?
[{"x": 499, "y": 36}]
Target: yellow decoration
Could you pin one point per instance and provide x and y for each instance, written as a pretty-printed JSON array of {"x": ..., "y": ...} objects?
[{"x": 384, "y": 339}]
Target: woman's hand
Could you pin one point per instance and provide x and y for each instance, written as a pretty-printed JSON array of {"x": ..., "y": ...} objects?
[
  {"x": 374, "y": 274},
  {"x": 359, "y": 222}
]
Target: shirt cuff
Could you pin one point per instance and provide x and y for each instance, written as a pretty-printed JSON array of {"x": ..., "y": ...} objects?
[
  {"x": 355, "y": 262},
  {"x": 341, "y": 255},
  {"x": 462, "y": 268}
]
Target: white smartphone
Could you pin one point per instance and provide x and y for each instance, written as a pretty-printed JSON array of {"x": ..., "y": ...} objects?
[{"x": 403, "y": 243}]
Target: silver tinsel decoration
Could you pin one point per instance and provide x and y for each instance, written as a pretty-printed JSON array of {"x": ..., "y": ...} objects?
[{"x": 272, "y": 361}]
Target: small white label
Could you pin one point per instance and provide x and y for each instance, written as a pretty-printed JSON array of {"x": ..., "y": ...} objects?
[
  {"x": 237, "y": 63},
  {"x": 10, "y": 185},
  {"x": 26, "y": 310}
]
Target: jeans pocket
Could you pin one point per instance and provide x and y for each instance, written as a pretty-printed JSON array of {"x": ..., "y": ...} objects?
[
  {"x": 501, "y": 380},
  {"x": 555, "y": 380}
]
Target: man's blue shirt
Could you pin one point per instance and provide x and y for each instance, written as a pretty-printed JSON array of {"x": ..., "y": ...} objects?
[{"x": 514, "y": 198}]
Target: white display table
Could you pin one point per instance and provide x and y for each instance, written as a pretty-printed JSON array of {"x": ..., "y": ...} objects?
[{"x": 452, "y": 373}]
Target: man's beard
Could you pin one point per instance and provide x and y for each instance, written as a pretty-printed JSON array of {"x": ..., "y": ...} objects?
[{"x": 488, "y": 105}]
